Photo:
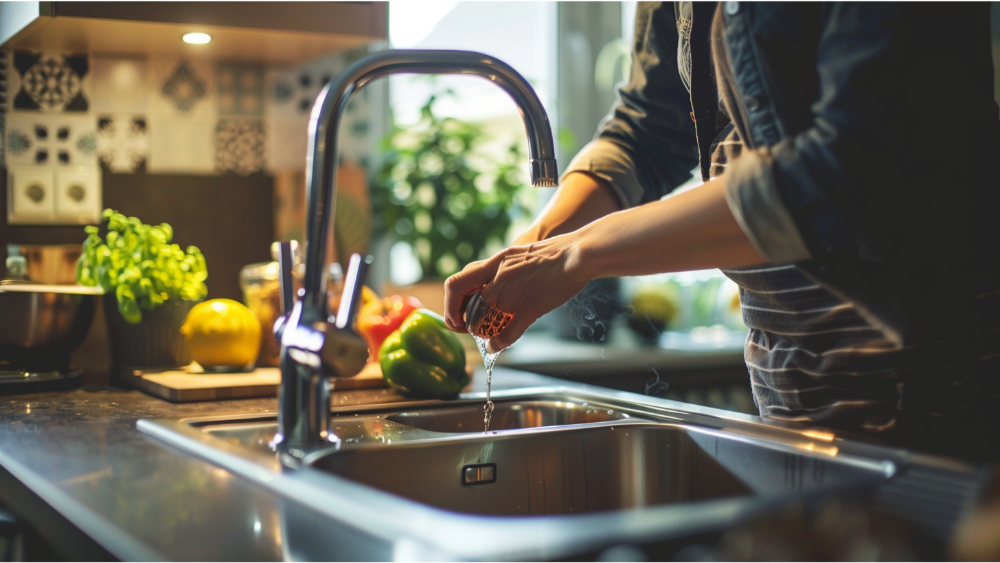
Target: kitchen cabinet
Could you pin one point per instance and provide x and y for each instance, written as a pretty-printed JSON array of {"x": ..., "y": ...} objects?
[{"x": 271, "y": 32}]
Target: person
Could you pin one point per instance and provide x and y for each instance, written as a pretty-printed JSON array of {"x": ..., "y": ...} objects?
[{"x": 848, "y": 155}]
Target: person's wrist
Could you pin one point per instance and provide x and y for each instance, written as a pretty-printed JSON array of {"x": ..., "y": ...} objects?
[
  {"x": 529, "y": 236},
  {"x": 579, "y": 262}
]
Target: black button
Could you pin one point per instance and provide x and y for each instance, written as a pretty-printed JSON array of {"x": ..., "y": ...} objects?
[{"x": 753, "y": 103}]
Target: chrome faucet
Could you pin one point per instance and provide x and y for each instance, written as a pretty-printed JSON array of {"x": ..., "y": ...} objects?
[{"x": 316, "y": 348}]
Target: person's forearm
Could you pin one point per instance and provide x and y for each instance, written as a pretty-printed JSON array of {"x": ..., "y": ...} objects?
[
  {"x": 580, "y": 199},
  {"x": 692, "y": 230}
]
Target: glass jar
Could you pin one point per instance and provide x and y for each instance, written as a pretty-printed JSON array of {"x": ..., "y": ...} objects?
[
  {"x": 261, "y": 288},
  {"x": 262, "y": 295}
]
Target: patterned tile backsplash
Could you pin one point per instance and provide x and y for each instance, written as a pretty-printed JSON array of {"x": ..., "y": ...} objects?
[
  {"x": 241, "y": 89},
  {"x": 160, "y": 114},
  {"x": 49, "y": 82},
  {"x": 239, "y": 146},
  {"x": 47, "y": 139},
  {"x": 122, "y": 144}
]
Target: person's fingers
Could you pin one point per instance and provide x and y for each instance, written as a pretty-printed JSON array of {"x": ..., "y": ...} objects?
[
  {"x": 459, "y": 287},
  {"x": 510, "y": 334}
]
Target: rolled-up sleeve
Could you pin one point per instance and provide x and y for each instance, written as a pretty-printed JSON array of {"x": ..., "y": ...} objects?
[
  {"x": 754, "y": 201},
  {"x": 646, "y": 146}
]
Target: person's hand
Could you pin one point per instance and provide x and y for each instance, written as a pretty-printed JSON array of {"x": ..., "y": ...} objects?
[{"x": 526, "y": 281}]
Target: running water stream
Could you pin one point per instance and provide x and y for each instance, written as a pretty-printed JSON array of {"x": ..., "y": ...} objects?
[
  {"x": 488, "y": 361},
  {"x": 484, "y": 321}
]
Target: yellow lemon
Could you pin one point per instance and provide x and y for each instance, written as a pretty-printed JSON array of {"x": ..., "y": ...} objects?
[{"x": 222, "y": 333}]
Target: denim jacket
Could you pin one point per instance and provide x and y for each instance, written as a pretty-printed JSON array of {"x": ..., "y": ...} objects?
[{"x": 870, "y": 139}]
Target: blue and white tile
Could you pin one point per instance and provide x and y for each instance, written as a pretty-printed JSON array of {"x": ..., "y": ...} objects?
[
  {"x": 122, "y": 142},
  {"x": 183, "y": 88},
  {"x": 48, "y": 82},
  {"x": 241, "y": 89},
  {"x": 118, "y": 84},
  {"x": 50, "y": 140}
]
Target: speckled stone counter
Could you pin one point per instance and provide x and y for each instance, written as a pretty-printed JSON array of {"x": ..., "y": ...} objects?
[{"x": 79, "y": 453}]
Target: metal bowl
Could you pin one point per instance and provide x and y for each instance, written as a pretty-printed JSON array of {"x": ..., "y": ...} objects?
[{"x": 43, "y": 324}]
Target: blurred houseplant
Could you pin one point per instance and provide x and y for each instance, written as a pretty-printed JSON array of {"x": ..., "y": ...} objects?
[
  {"x": 445, "y": 193},
  {"x": 149, "y": 285}
]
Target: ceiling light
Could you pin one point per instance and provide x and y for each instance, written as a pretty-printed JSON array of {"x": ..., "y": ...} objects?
[{"x": 196, "y": 38}]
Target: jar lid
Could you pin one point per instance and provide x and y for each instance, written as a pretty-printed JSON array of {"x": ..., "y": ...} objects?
[{"x": 261, "y": 271}]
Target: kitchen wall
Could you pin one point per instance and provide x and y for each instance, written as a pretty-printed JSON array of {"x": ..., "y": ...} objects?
[{"x": 216, "y": 148}]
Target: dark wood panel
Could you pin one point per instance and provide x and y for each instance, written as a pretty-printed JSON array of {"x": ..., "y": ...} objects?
[{"x": 230, "y": 218}]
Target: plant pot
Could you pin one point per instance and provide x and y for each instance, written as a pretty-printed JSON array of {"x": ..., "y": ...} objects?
[{"x": 156, "y": 342}]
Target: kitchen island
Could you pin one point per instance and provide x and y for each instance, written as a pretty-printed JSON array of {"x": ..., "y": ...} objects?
[{"x": 76, "y": 468}]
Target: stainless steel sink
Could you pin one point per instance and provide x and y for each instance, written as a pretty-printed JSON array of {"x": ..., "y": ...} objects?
[{"x": 563, "y": 470}]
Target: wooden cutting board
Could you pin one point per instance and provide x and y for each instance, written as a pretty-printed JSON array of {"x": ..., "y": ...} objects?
[{"x": 192, "y": 383}]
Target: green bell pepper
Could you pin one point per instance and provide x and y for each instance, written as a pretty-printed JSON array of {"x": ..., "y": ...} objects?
[{"x": 424, "y": 358}]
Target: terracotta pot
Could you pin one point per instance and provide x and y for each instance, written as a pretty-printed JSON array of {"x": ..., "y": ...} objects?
[{"x": 156, "y": 342}]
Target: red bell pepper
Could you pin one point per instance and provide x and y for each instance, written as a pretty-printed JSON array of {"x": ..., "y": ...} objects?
[{"x": 381, "y": 317}]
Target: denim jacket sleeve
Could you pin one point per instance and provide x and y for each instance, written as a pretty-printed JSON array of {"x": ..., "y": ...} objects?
[
  {"x": 646, "y": 146},
  {"x": 902, "y": 108}
]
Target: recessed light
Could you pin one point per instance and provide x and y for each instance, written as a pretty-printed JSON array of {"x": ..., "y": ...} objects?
[{"x": 196, "y": 38}]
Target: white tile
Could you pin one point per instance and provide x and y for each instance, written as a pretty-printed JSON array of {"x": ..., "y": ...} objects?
[
  {"x": 180, "y": 146},
  {"x": 118, "y": 84}
]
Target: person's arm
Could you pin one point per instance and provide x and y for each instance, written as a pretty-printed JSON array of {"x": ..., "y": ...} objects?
[
  {"x": 644, "y": 148},
  {"x": 687, "y": 231},
  {"x": 580, "y": 199}
]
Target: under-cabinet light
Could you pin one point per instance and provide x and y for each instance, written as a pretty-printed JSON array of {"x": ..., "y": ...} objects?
[{"x": 196, "y": 38}]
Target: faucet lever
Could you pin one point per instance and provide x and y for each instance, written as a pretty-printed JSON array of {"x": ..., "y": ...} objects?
[
  {"x": 286, "y": 260},
  {"x": 350, "y": 301}
]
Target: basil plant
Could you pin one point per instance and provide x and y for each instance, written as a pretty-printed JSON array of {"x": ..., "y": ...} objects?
[{"x": 139, "y": 265}]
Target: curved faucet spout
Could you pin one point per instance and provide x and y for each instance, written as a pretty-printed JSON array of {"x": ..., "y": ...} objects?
[
  {"x": 312, "y": 349},
  {"x": 325, "y": 119}
]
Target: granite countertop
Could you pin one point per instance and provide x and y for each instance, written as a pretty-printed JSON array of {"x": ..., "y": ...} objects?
[{"x": 79, "y": 452}]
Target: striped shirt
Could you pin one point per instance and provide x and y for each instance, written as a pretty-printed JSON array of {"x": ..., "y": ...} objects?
[{"x": 813, "y": 358}]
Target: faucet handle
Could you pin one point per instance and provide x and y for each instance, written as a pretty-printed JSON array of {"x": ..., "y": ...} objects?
[
  {"x": 350, "y": 302},
  {"x": 286, "y": 261}
]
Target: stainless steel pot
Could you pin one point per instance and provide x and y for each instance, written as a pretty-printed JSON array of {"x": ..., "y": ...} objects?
[{"x": 40, "y": 325}]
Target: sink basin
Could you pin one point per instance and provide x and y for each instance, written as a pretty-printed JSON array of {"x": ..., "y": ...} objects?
[
  {"x": 604, "y": 467},
  {"x": 562, "y": 470}
]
